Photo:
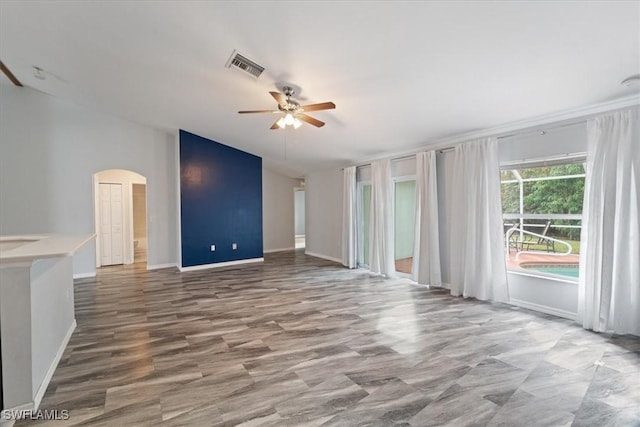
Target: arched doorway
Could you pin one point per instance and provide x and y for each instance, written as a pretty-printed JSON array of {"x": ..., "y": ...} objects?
[{"x": 120, "y": 199}]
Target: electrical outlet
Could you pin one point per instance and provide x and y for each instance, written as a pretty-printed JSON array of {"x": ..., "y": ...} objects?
[
  {"x": 234, "y": 246},
  {"x": 213, "y": 248}
]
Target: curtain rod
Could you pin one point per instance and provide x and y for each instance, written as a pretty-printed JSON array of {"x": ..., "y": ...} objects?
[{"x": 540, "y": 129}]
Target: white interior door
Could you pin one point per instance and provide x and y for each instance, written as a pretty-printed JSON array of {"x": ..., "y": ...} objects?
[{"x": 111, "y": 224}]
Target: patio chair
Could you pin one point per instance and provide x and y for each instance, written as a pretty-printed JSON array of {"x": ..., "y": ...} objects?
[
  {"x": 528, "y": 240},
  {"x": 540, "y": 241}
]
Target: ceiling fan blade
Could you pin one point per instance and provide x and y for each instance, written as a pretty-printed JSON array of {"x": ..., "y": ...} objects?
[
  {"x": 282, "y": 100},
  {"x": 275, "y": 125},
  {"x": 258, "y": 111},
  {"x": 7, "y": 72},
  {"x": 310, "y": 120},
  {"x": 320, "y": 106}
]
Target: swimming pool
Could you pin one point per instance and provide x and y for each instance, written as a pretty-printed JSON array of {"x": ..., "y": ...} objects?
[{"x": 568, "y": 270}]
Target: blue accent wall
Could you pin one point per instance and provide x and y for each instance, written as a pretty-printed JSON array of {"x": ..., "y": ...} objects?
[{"x": 220, "y": 200}]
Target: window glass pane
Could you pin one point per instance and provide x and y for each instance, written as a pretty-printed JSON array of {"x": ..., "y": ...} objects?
[
  {"x": 545, "y": 205},
  {"x": 561, "y": 196},
  {"x": 557, "y": 170},
  {"x": 404, "y": 218},
  {"x": 510, "y": 197},
  {"x": 506, "y": 175}
]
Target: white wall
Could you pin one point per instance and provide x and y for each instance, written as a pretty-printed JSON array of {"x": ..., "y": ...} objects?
[
  {"x": 399, "y": 168},
  {"x": 299, "y": 213},
  {"x": 403, "y": 167},
  {"x": 532, "y": 145},
  {"x": 49, "y": 150},
  {"x": 549, "y": 295},
  {"x": 277, "y": 211},
  {"x": 324, "y": 214}
]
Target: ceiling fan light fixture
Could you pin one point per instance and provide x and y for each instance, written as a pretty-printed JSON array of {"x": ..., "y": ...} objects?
[
  {"x": 296, "y": 123},
  {"x": 288, "y": 119},
  {"x": 281, "y": 123}
]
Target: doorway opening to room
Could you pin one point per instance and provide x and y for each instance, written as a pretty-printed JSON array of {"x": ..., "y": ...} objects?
[
  {"x": 299, "y": 217},
  {"x": 139, "y": 207},
  {"x": 120, "y": 198}
]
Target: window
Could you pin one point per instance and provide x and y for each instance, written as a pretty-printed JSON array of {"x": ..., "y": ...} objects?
[{"x": 542, "y": 213}]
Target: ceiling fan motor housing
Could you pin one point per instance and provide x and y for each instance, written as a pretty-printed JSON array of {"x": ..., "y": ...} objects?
[
  {"x": 291, "y": 106},
  {"x": 288, "y": 91}
]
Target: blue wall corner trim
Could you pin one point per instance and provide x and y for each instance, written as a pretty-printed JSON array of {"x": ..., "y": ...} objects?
[{"x": 220, "y": 200}]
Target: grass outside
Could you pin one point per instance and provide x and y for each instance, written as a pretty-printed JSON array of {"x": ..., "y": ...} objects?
[{"x": 575, "y": 246}]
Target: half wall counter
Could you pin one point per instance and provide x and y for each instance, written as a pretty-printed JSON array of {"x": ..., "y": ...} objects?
[{"x": 37, "y": 314}]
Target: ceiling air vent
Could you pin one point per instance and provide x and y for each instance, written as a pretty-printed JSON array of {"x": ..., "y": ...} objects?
[{"x": 243, "y": 63}]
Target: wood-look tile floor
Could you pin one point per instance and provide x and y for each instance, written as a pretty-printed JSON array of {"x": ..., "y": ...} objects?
[{"x": 302, "y": 341}]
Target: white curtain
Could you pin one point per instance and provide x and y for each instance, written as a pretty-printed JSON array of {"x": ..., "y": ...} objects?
[
  {"x": 477, "y": 259},
  {"x": 609, "y": 293},
  {"x": 349, "y": 225},
  {"x": 426, "y": 252},
  {"x": 381, "y": 258}
]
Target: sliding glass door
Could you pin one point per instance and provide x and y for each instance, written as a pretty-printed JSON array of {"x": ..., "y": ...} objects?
[
  {"x": 364, "y": 210},
  {"x": 404, "y": 223}
]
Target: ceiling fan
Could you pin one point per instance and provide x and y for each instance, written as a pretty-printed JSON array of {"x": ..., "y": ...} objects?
[{"x": 292, "y": 111}]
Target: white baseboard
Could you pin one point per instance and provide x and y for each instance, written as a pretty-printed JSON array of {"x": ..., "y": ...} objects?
[
  {"x": 220, "y": 264},
  {"x": 543, "y": 308},
  {"x": 339, "y": 261},
  {"x": 52, "y": 368},
  {"x": 159, "y": 266},
  {"x": 84, "y": 275},
  {"x": 268, "y": 251}
]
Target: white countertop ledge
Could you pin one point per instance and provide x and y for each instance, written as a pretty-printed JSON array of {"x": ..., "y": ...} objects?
[{"x": 28, "y": 248}]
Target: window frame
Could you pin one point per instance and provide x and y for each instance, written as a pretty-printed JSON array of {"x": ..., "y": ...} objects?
[
  {"x": 514, "y": 166},
  {"x": 394, "y": 180},
  {"x": 359, "y": 215}
]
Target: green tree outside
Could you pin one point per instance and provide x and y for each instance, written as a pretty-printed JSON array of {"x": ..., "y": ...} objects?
[{"x": 556, "y": 196}]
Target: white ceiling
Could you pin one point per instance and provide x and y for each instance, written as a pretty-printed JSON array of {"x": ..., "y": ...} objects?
[{"x": 402, "y": 74}]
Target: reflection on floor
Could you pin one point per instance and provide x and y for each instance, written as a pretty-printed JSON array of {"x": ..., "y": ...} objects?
[{"x": 303, "y": 341}]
